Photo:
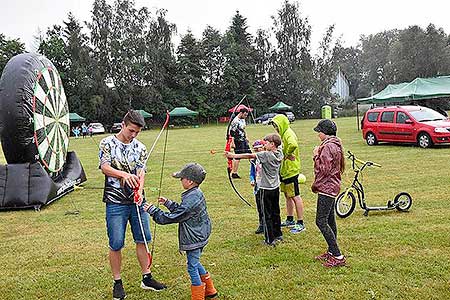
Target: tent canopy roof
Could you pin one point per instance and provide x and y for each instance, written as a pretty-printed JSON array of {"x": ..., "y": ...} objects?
[
  {"x": 238, "y": 108},
  {"x": 145, "y": 114},
  {"x": 418, "y": 89},
  {"x": 74, "y": 117},
  {"x": 281, "y": 106},
  {"x": 182, "y": 112}
]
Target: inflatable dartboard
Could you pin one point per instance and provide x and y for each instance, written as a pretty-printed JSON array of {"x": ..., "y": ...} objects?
[
  {"x": 34, "y": 114},
  {"x": 34, "y": 129}
]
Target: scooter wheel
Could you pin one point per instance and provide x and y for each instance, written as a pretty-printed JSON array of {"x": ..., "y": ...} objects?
[
  {"x": 345, "y": 204},
  {"x": 403, "y": 201}
]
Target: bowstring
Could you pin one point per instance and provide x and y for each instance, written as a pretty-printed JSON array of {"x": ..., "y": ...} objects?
[
  {"x": 160, "y": 185},
  {"x": 250, "y": 110}
]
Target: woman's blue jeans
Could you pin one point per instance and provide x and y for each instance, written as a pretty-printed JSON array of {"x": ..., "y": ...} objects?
[{"x": 194, "y": 267}]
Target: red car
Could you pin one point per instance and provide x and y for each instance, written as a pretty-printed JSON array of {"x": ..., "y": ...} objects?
[{"x": 405, "y": 124}]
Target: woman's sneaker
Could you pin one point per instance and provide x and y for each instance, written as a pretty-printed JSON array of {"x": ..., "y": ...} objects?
[
  {"x": 148, "y": 283},
  {"x": 333, "y": 261},
  {"x": 323, "y": 256},
  {"x": 118, "y": 291}
]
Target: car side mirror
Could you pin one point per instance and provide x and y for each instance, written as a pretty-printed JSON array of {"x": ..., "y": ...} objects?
[{"x": 408, "y": 121}]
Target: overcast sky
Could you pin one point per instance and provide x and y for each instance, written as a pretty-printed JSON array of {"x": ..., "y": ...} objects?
[{"x": 23, "y": 18}]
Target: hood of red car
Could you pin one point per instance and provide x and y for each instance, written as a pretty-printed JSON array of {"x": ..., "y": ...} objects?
[{"x": 445, "y": 123}]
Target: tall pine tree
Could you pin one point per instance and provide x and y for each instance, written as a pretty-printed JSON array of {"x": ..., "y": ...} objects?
[{"x": 239, "y": 72}]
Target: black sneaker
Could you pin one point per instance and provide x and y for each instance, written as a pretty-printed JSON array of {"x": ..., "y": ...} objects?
[
  {"x": 118, "y": 291},
  {"x": 235, "y": 176},
  {"x": 269, "y": 244},
  {"x": 259, "y": 230},
  {"x": 148, "y": 283}
]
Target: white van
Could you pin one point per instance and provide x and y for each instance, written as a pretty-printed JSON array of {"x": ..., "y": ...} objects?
[
  {"x": 290, "y": 116},
  {"x": 96, "y": 128}
]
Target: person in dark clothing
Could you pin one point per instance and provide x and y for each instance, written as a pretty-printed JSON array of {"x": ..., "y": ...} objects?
[
  {"x": 329, "y": 164},
  {"x": 240, "y": 141},
  {"x": 84, "y": 130}
]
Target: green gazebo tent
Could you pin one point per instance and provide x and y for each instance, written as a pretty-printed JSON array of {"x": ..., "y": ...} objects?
[
  {"x": 74, "y": 117},
  {"x": 145, "y": 114},
  {"x": 281, "y": 106},
  {"x": 182, "y": 112},
  {"x": 418, "y": 89},
  {"x": 186, "y": 116}
]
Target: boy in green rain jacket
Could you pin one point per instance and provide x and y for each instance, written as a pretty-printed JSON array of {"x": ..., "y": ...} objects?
[{"x": 290, "y": 169}]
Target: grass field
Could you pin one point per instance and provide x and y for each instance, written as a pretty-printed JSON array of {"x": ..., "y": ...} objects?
[{"x": 391, "y": 255}]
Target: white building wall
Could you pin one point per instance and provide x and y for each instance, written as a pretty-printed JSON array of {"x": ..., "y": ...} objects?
[{"x": 341, "y": 87}]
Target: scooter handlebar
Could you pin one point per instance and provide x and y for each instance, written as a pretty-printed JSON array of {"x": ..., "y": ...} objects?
[
  {"x": 372, "y": 164},
  {"x": 368, "y": 163}
]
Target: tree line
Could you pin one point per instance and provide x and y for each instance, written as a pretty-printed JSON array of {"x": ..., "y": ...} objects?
[{"x": 124, "y": 57}]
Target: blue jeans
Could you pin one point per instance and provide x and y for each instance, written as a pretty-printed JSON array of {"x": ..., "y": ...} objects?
[
  {"x": 117, "y": 217},
  {"x": 194, "y": 267}
]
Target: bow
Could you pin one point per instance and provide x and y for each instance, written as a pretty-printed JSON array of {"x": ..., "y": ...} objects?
[
  {"x": 136, "y": 201},
  {"x": 166, "y": 122},
  {"x": 136, "y": 191},
  {"x": 229, "y": 140}
]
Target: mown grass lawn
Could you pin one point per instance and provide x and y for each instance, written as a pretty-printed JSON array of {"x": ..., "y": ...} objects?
[{"x": 391, "y": 255}]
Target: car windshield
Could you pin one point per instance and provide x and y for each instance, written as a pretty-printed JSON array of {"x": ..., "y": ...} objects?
[{"x": 426, "y": 115}]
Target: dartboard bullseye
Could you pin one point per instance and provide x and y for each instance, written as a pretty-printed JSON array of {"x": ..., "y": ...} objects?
[{"x": 51, "y": 119}]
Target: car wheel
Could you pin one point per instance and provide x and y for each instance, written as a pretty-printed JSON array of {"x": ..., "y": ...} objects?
[
  {"x": 424, "y": 140},
  {"x": 371, "y": 139}
]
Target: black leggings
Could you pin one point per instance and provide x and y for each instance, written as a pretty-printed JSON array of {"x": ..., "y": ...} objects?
[{"x": 326, "y": 222}]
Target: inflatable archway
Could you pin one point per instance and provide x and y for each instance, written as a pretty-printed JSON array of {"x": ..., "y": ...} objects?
[{"x": 34, "y": 129}]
